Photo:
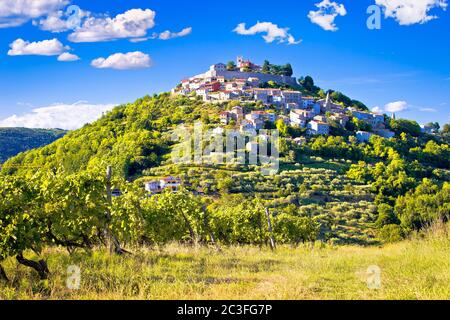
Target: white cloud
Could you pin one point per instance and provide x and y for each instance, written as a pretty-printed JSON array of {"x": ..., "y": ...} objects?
[
  {"x": 124, "y": 61},
  {"x": 327, "y": 13},
  {"x": 63, "y": 116},
  {"x": 67, "y": 57},
  {"x": 378, "y": 110},
  {"x": 408, "y": 12},
  {"x": 272, "y": 32},
  {"x": 166, "y": 35},
  {"x": 136, "y": 40},
  {"x": 428, "y": 110},
  {"x": 52, "y": 47},
  {"x": 396, "y": 106},
  {"x": 17, "y": 12},
  {"x": 133, "y": 23}
]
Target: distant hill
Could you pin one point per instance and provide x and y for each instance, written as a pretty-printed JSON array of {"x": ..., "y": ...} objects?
[{"x": 16, "y": 140}]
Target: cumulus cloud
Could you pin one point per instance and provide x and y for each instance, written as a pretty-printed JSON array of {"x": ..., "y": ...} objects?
[
  {"x": 63, "y": 116},
  {"x": 392, "y": 107},
  {"x": 133, "y": 23},
  {"x": 327, "y": 13},
  {"x": 272, "y": 32},
  {"x": 124, "y": 61},
  {"x": 67, "y": 57},
  {"x": 166, "y": 35},
  {"x": 51, "y": 47},
  {"x": 378, "y": 110},
  {"x": 408, "y": 12},
  {"x": 17, "y": 12},
  {"x": 396, "y": 106}
]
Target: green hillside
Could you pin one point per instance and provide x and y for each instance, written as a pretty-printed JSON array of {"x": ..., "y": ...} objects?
[
  {"x": 16, "y": 140},
  {"x": 351, "y": 192}
]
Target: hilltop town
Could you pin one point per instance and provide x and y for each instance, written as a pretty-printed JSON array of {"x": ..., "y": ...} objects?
[{"x": 281, "y": 94}]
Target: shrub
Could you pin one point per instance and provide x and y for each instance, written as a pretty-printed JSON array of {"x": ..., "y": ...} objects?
[{"x": 391, "y": 233}]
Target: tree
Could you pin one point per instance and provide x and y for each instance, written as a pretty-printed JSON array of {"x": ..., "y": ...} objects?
[
  {"x": 308, "y": 83},
  {"x": 282, "y": 127},
  {"x": 391, "y": 233},
  {"x": 294, "y": 229},
  {"x": 446, "y": 129},
  {"x": 266, "y": 67},
  {"x": 231, "y": 66},
  {"x": 287, "y": 70},
  {"x": 435, "y": 127},
  {"x": 340, "y": 97},
  {"x": 427, "y": 204},
  {"x": 406, "y": 126},
  {"x": 386, "y": 215}
]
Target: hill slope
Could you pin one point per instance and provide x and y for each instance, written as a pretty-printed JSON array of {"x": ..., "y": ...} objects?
[
  {"x": 351, "y": 190},
  {"x": 16, "y": 140}
]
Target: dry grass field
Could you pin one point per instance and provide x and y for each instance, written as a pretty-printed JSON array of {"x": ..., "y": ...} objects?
[{"x": 414, "y": 269}]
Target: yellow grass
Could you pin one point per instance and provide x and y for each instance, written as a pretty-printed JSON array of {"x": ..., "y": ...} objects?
[{"x": 414, "y": 269}]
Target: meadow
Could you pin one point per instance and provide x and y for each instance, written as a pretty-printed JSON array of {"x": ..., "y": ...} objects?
[{"x": 418, "y": 268}]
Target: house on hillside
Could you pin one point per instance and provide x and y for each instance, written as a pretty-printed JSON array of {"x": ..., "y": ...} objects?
[
  {"x": 157, "y": 186},
  {"x": 318, "y": 128},
  {"x": 363, "y": 136}
]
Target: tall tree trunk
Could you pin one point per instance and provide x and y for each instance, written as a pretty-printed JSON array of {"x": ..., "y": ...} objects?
[{"x": 40, "y": 266}]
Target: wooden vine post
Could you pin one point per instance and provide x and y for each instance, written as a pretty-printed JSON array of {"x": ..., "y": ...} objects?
[{"x": 273, "y": 245}]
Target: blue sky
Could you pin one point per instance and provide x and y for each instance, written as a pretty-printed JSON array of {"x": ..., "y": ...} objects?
[{"x": 404, "y": 65}]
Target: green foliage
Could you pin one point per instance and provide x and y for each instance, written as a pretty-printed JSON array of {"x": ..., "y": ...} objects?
[
  {"x": 427, "y": 204},
  {"x": 283, "y": 70},
  {"x": 391, "y": 233},
  {"x": 282, "y": 127},
  {"x": 294, "y": 229},
  {"x": 328, "y": 188},
  {"x": 308, "y": 85},
  {"x": 19, "y": 227},
  {"x": 239, "y": 221},
  {"x": 131, "y": 138},
  {"x": 346, "y": 101},
  {"x": 173, "y": 217},
  {"x": 231, "y": 66},
  {"x": 446, "y": 129},
  {"x": 405, "y": 126},
  {"x": 386, "y": 215},
  {"x": 435, "y": 154},
  {"x": 360, "y": 125}
]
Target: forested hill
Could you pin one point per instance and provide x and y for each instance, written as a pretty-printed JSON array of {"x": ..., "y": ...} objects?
[
  {"x": 137, "y": 136},
  {"x": 16, "y": 140},
  {"x": 131, "y": 138},
  {"x": 351, "y": 191}
]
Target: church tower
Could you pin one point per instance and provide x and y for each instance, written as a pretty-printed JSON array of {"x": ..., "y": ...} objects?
[{"x": 240, "y": 61}]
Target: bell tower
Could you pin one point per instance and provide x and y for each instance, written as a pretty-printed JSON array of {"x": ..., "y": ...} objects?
[{"x": 239, "y": 61}]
